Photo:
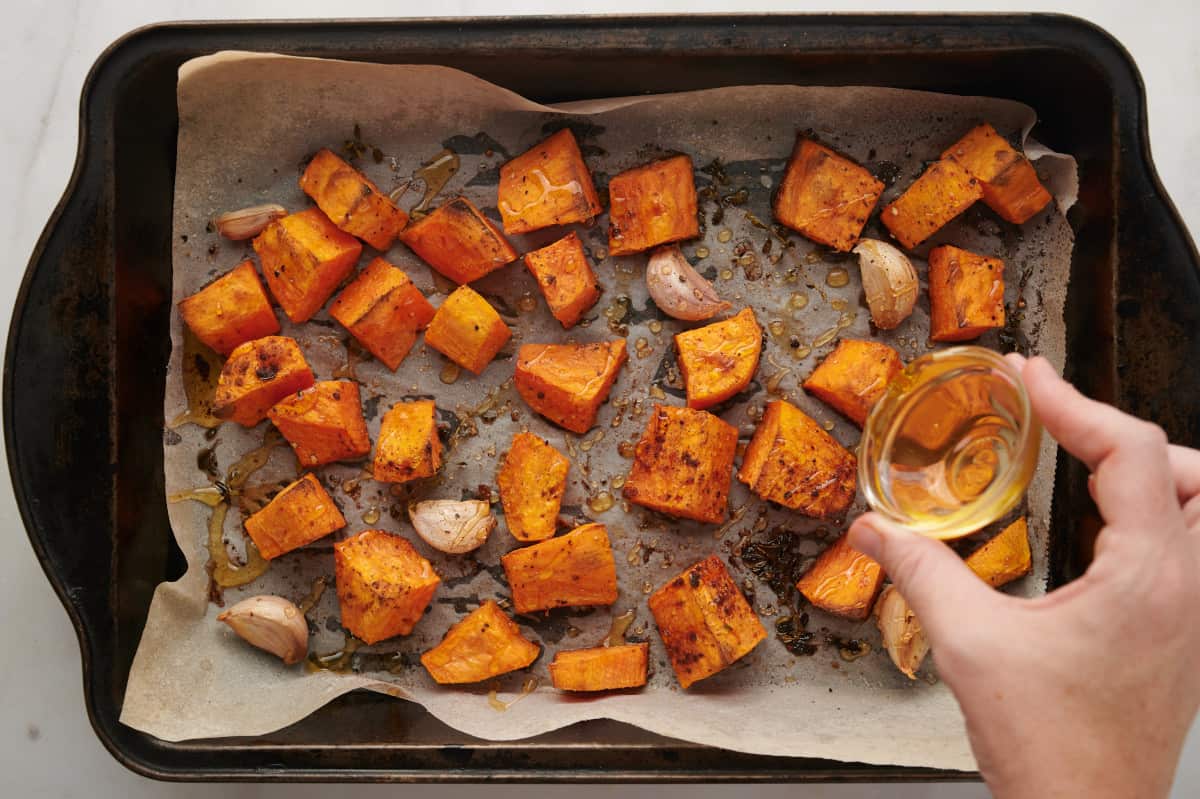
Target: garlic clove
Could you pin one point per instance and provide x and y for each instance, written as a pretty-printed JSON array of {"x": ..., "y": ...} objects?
[
  {"x": 452, "y": 526},
  {"x": 901, "y": 631},
  {"x": 678, "y": 289},
  {"x": 270, "y": 623},
  {"x": 889, "y": 281},
  {"x": 245, "y": 223}
]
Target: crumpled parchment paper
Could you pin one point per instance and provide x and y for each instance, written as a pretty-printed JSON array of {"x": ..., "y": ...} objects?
[{"x": 247, "y": 121}]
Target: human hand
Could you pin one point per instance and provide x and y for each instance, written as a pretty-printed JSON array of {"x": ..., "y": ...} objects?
[{"x": 1089, "y": 690}]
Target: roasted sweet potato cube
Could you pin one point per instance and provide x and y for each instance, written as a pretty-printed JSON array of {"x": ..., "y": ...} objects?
[
  {"x": 567, "y": 383},
  {"x": 719, "y": 360},
  {"x": 383, "y": 585},
  {"x": 602, "y": 668},
  {"x": 825, "y": 196},
  {"x": 854, "y": 376},
  {"x": 532, "y": 481},
  {"x": 1010, "y": 185},
  {"x": 486, "y": 644},
  {"x": 298, "y": 515},
  {"x": 794, "y": 462},
  {"x": 966, "y": 294},
  {"x": 546, "y": 185},
  {"x": 843, "y": 581},
  {"x": 651, "y": 205},
  {"x": 305, "y": 257},
  {"x": 459, "y": 241},
  {"x": 705, "y": 622},
  {"x": 408, "y": 447},
  {"x": 384, "y": 311},
  {"x": 258, "y": 374},
  {"x": 566, "y": 279},
  {"x": 943, "y": 192},
  {"x": 231, "y": 310},
  {"x": 323, "y": 423},
  {"x": 352, "y": 201},
  {"x": 573, "y": 570},
  {"x": 1005, "y": 557},
  {"x": 682, "y": 466},
  {"x": 467, "y": 330}
]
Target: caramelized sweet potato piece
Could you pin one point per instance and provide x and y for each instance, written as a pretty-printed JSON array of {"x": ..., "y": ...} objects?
[
  {"x": 566, "y": 279},
  {"x": 1004, "y": 558},
  {"x": 549, "y": 184},
  {"x": 486, "y": 644},
  {"x": 408, "y": 447},
  {"x": 652, "y": 205},
  {"x": 794, "y": 462},
  {"x": 384, "y": 311},
  {"x": 573, "y": 570},
  {"x": 682, "y": 466},
  {"x": 843, "y": 581},
  {"x": 323, "y": 423},
  {"x": 705, "y": 622},
  {"x": 825, "y": 196},
  {"x": 1010, "y": 185},
  {"x": 459, "y": 241},
  {"x": 298, "y": 515},
  {"x": 352, "y": 201},
  {"x": 966, "y": 294},
  {"x": 383, "y": 585},
  {"x": 304, "y": 259},
  {"x": 532, "y": 481},
  {"x": 719, "y": 360},
  {"x": 231, "y": 310},
  {"x": 567, "y": 383},
  {"x": 854, "y": 376},
  {"x": 467, "y": 330},
  {"x": 943, "y": 192},
  {"x": 602, "y": 668},
  {"x": 258, "y": 374}
]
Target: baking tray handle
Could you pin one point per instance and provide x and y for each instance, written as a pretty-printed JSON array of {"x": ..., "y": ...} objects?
[{"x": 57, "y": 402}]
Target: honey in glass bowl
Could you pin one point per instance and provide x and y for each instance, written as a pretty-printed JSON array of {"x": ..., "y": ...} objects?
[{"x": 952, "y": 445}]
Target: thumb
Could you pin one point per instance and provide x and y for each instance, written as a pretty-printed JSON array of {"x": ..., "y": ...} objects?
[{"x": 942, "y": 590}]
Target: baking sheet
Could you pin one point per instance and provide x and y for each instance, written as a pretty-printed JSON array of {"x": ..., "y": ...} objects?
[{"x": 247, "y": 121}]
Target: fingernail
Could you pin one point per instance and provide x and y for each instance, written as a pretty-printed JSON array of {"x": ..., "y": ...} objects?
[
  {"x": 1016, "y": 359},
  {"x": 864, "y": 537}
]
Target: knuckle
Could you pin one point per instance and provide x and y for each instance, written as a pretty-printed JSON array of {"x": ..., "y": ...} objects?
[{"x": 1151, "y": 435}]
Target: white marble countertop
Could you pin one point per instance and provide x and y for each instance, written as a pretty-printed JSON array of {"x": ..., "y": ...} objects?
[{"x": 47, "y": 747}]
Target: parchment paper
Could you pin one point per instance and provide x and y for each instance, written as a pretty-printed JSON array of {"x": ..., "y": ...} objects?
[{"x": 247, "y": 121}]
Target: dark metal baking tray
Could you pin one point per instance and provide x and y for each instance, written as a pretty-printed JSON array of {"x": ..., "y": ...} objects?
[{"x": 88, "y": 345}]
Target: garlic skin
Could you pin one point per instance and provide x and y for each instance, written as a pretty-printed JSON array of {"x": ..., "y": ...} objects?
[
  {"x": 246, "y": 223},
  {"x": 889, "y": 281},
  {"x": 901, "y": 631},
  {"x": 678, "y": 289},
  {"x": 270, "y": 623},
  {"x": 452, "y": 526}
]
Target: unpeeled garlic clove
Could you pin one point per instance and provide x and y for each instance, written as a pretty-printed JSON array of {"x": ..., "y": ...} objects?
[
  {"x": 452, "y": 526},
  {"x": 678, "y": 289},
  {"x": 245, "y": 223},
  {"x": 270, "y": 623},
  {"x": 901, "y": 631},
  {"x": 889, "y": 281}
]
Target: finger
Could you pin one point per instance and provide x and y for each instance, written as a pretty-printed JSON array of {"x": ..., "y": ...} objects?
[
  {"x": 943, "y": 592},
  {"x": 1185, "y": 466},
  {"x": 1133, "y": 484},
  {"x": 1016, "y": 360}
]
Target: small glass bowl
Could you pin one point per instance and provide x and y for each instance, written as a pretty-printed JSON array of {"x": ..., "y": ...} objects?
[{"x": 952, "y": 444}]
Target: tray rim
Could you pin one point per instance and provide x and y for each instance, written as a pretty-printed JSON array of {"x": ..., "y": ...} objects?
[{"x": 146, "y": 35}]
